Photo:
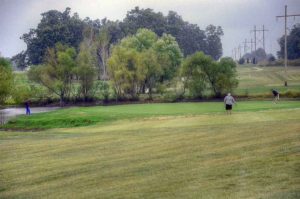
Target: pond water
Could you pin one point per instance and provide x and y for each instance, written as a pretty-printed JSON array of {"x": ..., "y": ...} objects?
[{"x": 8, "y": 113}]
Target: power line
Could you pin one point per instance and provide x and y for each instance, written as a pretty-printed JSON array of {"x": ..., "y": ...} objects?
[
  {"x": 254, "y": 30},
  {"x": 285, "y": 16},
  {"x": 246, "y": 46},
  {"x": 255, "y": 36}
]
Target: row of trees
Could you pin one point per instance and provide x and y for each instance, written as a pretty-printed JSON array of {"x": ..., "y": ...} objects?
[
  {"x": 138, "y": 64},
  {"x": 144, "y": 53},
  {"x": 56, "y": 26},
  {"x": 145, "y": 61}
]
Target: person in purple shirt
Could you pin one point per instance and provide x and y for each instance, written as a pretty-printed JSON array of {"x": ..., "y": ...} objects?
[
  {"x": 27, "y": 108},
  {"x": 229, "y": 101}
]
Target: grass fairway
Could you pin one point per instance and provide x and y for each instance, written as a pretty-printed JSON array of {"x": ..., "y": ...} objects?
[
  {"x": 102, "y": 115},
  {"x": 185, "y": 150}
]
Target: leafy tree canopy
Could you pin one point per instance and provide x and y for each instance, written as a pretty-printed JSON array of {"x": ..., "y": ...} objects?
[
  {"x": 56, "y": 73},
  {"x": 54, "y": 27},
  {"x": 200, "y": 71},
  {"x": 141, "y": 60},
  {"x": 293, "y": 44},
  {"x": 6, "y": 79}
]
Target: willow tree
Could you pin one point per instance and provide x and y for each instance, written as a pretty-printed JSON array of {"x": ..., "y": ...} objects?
[
  {"x": 6, "y": 79},
  {"x": 57, "y": 71},
  {"x": 149, "y": 58}
]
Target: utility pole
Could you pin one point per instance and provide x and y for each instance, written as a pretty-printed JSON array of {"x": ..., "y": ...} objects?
[
  {"x": 263, "y": 30},
  {"x": 239, "y": 50},
  {"x": 251, "y": 42},
  {"x": 235, "y": 52},
  {"x": 285, "y": 39},
  {"x": 245, "y": 46},
  {"x": 254, "y": 30}
]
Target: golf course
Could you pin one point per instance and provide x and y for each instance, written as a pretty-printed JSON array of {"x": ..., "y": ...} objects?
[
  {"x": 173, "y": 99},
  {"x": 170, "y": 150}
]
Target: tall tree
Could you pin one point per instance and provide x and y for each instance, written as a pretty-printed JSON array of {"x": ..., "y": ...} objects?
[
  {"x": 85, "y": 68},
  {"x": 213, "y": 39},
  {"x": 152, "y": 69},
  {"x": 189, "y": 36},
  {"x": 192, "y": 74},
  {"x": 221, "y": 76},
  {"x": 199, "y": 70},
  {"x": 293, "y": 44},
  {"x": 169, "y": 56},
  {"x": 125, "y": 71},
  {"x": 102, "y": 45},
  {"x": 143, "y": 18},
  {"x": 6, "y": 79},
  {"x": 54, "y": 27},
  {"x": 106, "y": 33},
  {"x": 20, "y": 60},
  {"x": 57, "y": 71},
  {"x": 141, "y": 60}
]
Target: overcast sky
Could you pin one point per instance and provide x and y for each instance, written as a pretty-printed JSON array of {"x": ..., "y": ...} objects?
[{"x": 237, "y": 17}]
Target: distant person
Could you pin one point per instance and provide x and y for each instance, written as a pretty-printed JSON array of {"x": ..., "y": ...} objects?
[
  {"x": 229, "y": 101},
  {"x": 276, "y": 95},
  {"x": 27, "y": 108}
]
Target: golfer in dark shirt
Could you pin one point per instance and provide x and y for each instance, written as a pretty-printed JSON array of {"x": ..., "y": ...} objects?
[{"x": 276, "y": 95}]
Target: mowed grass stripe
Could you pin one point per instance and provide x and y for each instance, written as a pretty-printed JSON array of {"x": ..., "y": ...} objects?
[
  {"x": 74, "y": 117},
  {"x": 237, "y": 159}
]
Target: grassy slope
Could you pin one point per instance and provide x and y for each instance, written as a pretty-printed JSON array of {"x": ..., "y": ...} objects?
[
  {"x": 260, "y": 80},
  {"x": 250, "y": 154},
  {"x": 72, "y": 117}
]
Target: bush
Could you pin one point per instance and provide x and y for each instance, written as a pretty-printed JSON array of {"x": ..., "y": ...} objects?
[
  {"x": 241, "y": 61},
  {"x": 104, "y": 90},
  {"x": 291, "y": 94},
  {"x": 280, "y": 62},
  {"x": 271, "y": 58},
  {"x": 170, "y": 96},
  {"x": 22, "y": 93}
]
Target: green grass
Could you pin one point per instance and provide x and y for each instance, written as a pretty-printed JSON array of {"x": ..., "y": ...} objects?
[
  {"x": 260, "y": 80},
  {"x": 72, "y": 117},
  {"x": 185, "y": 150}
]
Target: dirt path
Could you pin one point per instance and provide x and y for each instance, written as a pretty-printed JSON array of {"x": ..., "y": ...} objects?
[{"x": 257, "y": 69}]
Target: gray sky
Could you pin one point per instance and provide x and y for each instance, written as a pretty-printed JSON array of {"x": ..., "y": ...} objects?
[{"x": 237, "y": 17}]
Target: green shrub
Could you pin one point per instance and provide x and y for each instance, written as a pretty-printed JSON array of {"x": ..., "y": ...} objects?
[
  {"x": 104, "y": 90},
  {"x": 241, "y": 61},
  {"x": 170, "y": 96},
  {"x": 291, "y": 94}
]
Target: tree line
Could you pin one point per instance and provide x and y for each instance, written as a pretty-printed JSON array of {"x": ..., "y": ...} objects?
[
  {"x": 146, "y": 53},
  {"x": 56, "y": 26}
]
